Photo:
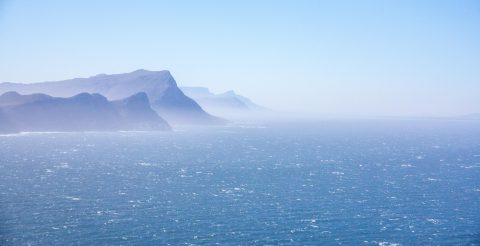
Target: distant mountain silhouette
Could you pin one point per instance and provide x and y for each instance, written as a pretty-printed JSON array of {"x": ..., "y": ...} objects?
[
  {"x": 14, "y": 98},
  {"x": 82, "y": 112},
  {"x": 207, "y": 99},
  {"x": 228, "y": 104},
  {"x": 161, "y": 88}
]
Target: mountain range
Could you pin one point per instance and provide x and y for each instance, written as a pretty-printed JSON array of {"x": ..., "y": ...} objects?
[
  {"x": 82, "y": 112},
  {"x": 140, "y": 100},
  {"x": 160, "y": 87},
  {"x": 228, "y": 104}
]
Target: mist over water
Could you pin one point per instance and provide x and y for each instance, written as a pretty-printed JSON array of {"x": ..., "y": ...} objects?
[
  {"x": 238, "y": 122},
  {"x": 370, "y": 182}
]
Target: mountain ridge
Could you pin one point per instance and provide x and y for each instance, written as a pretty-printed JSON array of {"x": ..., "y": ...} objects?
[
  {"x": 82, "y": 112},
  {"x": 228, "y": 104},
  {"x": 160, "y": 87}
]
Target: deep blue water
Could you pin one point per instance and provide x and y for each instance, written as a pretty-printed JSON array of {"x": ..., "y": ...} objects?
[{"x": 375, "y": 182}]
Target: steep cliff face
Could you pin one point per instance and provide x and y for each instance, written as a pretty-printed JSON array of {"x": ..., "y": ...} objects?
[
  {"x": 137, "y": 113},
  {"x": 180, "y": 109},
  {"x": 160, "y": 87}
]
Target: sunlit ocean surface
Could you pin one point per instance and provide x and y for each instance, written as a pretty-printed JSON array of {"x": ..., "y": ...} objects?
[{"x": 371, "y": 182}]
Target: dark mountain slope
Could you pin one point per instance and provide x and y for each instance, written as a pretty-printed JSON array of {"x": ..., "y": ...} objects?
[{"x": 83, "y": 112}]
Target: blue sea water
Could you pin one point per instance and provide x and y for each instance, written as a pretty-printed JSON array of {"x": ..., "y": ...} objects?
[{"x": 370, "y": 182}]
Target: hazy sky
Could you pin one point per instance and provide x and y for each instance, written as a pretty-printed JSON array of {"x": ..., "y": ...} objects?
[{"x": 326, "y": 57}]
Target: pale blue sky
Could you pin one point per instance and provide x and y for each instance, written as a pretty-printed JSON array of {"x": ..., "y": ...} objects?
[{"x": 324, "y": 57}]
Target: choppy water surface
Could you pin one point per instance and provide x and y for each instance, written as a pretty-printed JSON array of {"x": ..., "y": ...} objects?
[{"x": 346, "y": 182}]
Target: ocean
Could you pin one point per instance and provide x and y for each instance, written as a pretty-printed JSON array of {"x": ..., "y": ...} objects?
[{"x": 325, "y": 182}]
